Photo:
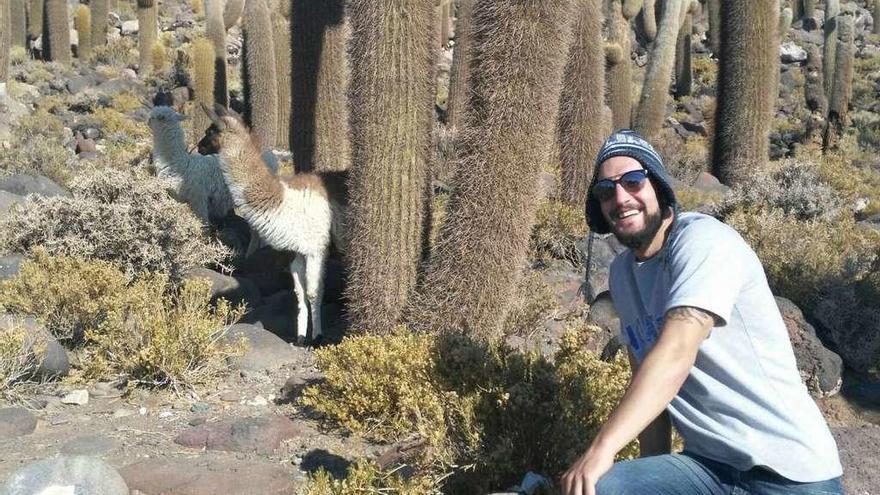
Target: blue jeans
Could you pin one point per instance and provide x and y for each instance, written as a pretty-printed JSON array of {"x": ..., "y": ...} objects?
[{"x": 688, "y": 474}]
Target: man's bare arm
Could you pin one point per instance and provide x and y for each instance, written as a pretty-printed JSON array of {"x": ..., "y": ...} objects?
[{"x": 656, "y": 438}]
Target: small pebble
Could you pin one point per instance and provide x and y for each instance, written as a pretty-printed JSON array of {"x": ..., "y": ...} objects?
[
  {"x": 77, "y": 397},
  {"x": 59, "y": 420},
  {"x": 142, "y": 411},
  {"x": 166, "y": 415}
]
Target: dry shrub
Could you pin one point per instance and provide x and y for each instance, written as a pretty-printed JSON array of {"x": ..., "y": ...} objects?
[
  {"x": 851, "y": 183},
  {"x": 532, "y": 302},
  {"x": 367, "y": 477},
  {"x": 20, "y": 354},
  {"x": 113, "y": 122},
  {"x": 691, "y": 199},
  {"x": 803, "y": 259},
  {"x": 125, "y": 217},
  {"x": 143, "y": 328},
  {"x": 500, "y": 411},
  {"x": 559, "y": 227},
  {"x": 39, "y": 148},
  {"x": 118, "y": 53}
]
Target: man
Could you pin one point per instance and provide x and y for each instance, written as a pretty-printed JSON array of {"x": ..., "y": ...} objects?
[{"x": 708, "y": 346}]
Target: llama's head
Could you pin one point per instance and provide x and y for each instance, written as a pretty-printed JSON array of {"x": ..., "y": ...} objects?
[
  {"x": 227, "y": 129},
  {"x": 210, "y": 142},
  {"x": 162, "y": 117}
]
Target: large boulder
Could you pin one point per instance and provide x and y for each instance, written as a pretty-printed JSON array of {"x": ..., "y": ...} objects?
[
  {"x": 195, "y": 476},
  {"x": 820, "y": 368},
  {"x": 261, "y": 435},
  {"x": 604, "y": 249},
  {"x": 53, "y": 361},
  {"x": 265, "y": 350},
  {"x": 849, "y": 320},
  {"x": 24, "y": 184},
  {"x": 16, "y": 422},
  {"x": 603, "y": 315},
  {"x": 234, "y": 289},
  {"x": 78, "y": 474}
]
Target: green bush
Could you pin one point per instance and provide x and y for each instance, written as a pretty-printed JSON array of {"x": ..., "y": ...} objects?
[
  {"x": 558, "y": 229},
  {"x": 20, "y": 353},
  {"x": 364, "y": 478}
]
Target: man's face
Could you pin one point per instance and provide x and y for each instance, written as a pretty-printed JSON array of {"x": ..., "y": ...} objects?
[{"x": 634, "y": 216}]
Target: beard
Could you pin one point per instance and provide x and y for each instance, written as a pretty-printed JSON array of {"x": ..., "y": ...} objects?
[{"x": 641, "y": 238}]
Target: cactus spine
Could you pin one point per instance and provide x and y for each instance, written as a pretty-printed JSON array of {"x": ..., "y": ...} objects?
[
  {"x": 393, "y": 53},
  {"x": 581, "y": 125},
  {"x": 216, "y": 32},
  {"x": 482, "y": 245},
  {"x": 459, "y": 73},
  {"x": 232, "y": 10},
  {"x": 684, "y": 76},
  {"x": 203, "y": 83},
  {"x": 320, "y": 137},
  {"x": 649, "y": 19},
  {"x": 829, "y": 49},
  {"x": 631, "y": 8},
  {"x": 749, "y": 58},
  {"x": 258, "y": 72},
  {"x": 98, "y": 16},
  {"x": 83, "y": 23},
  {"x": 18, "y": 22},
  {"x": 56, "y": 32},
  {"x": 619, "y": 71},
  {"x": 281, "y": 40},
  {"x": 34, "y": 19},
  {"x": 658, "y": 75},
  {"x": 841, "y": 93},
  {"x": 148, "y": 31}
]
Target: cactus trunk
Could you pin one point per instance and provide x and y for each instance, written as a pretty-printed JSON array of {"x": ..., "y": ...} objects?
[
  {"x": 35, "y": 19},
  {"x": 216, "y": 32},
  {"x": 619, "y": 70},
  {"x": 320, "y": 138},
  {"x": 99, "y": 11},
  {"x": 631, "y": 8},
  {"x": 232, "y": 10},
  {"x": 148, "y": 31},
  {"x": 18, "y": 22},
  {"x": 649, "y": 19},
  {"x": 392, "y": 93},
  {"x": 655, "y": 91},
  {"x": 876, "y": 15},
  {"x": 519, "y": 52},
  {"x": 281, "y": 41},
  {"x": 713, "y": 12},
  {"x": 459, "y": 74},
  {"x": 56, "y": 32},
  {"x": 203, "y": 83},
  {"x": 841, "y": 92},
  {"x": 829, "y": 49},
  {"x": 5, "y": 43},
  {"x": 83, "y": 23},
  {"x": 684, "y": 76},
  {"x": 581, "y": 126},
  {"x": 258, "y": 72},
  {"x": 749, "y": 59}
]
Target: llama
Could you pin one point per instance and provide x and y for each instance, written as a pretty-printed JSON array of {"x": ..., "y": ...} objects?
[
  {"x": 199, "y": 180},
  {"x": 299, "y": 214}
]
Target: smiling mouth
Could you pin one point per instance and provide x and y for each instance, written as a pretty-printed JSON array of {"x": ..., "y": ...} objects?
[{"x": 624, "y": 215}]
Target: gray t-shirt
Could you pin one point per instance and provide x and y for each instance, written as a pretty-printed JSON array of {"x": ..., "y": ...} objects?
[{"x": 743, "y": 403}]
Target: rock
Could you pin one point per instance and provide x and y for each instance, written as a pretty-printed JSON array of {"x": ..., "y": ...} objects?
[
  {"x": 53, "y": 362},
  {"x": 790, "y": 53},
  {"x": 605, "y": 249},
  {"x": 293, "y": 387},
  {"x": 7, "y": 199},
  {"x": 123, "y": 413},
  {"x": 234, "y": 289},
  {"x": 230, "y": 396},
  {"x": 565, "y": 283},
  {"x": 77, "y": 84},
  {"x": 76, "y": 398},
  {"x": 820, "y": 368},
  {"x": 94, "y": 445},
  {"x": 16, "y": 422},
  {"x": 277, "y": 314},
  {"x": 858, "y": 447},
  {"x": 85, "y": 146},
  {"x": 849, "y": 320},
  {"x": 261, "y": 435},
  {"x": 266, "y": 351},
  {"x": 86, "y": 476},
  {"x": 129, "y": 28},
  {"x": 602, "y": 314},
  {"x": 258, "y": 401},
  {"x": 709, "y": 183},
  {"x": 10, "y": 265},
  {"x": 24, "y": 184},
  {"x": 184, "y": 476}
]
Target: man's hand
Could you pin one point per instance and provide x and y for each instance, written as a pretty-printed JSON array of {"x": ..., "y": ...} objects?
[{"x": 582, "y": 476}]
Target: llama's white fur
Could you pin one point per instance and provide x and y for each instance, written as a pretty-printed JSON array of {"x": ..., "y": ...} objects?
[
  {"x": 298, "y": 214},
  {"x": 199, "y": 181}
]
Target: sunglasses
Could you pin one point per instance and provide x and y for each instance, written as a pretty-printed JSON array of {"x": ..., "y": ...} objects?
[{"x": 632, "y": 182}]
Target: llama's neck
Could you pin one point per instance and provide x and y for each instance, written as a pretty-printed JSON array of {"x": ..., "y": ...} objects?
[
  {"x": 252, "y": 185},
  {"x": 169, "y": 148}
]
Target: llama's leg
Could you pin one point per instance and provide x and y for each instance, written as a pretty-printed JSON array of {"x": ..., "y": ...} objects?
[
  {"x": 315, "y": 291},
  {"x": 253, "y": 244},
  {"x": 298, "y": 272}
]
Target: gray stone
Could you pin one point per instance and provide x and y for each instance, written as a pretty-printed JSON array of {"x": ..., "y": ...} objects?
[
  {"x": 86, "y": 476},
  {"x": 10, "y": 265},
  {"x": 277, "y": 314},
  {"x": 24, "y": 184},
  {"x": 605, "y": 249},
  {"x": 184, "y": 476},
  {"x": 94, "y": 445},
  {"x": 602, "y": 314},
  {"x": 78, "y": 84},
  {"x": 234, "y": 289},
  {"x": 261, "y": 435},
  {"x": 16, "y": 421},
  {"x": 820, "y": 369},
  {"x": 790, "y": 52},
  {"x": 76, "y": 398},
  {"x": 566, "y": 284},
  {"x": 849, "y": 321},
  {"x": 7, "y": 199},
  {"x": 129, "y": 28},
  {"x": 858, "y": 447},
  {"x": 53, "y": 361},
  {"x": 709, "y": 183}
]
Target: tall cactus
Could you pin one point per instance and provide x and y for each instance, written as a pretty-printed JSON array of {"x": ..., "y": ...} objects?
[
  {"x": 392, "y": 92},
  {"x": 713, "y": 12},
  {"x": 876, "y": 15},
  {"x": 148, "y": 31},
  {"x": 232, "y": 10},
  {"x": 814, "y": 90},
  {"x": 5, "y": 42},
  {"x": 649, "y": 19},
  {"x": 460, "y": 71},
  {"x": 655, "y": 90},
  {"x": 841, "y": 92},
  {"x": 35, "y": 19},
  {"x": 56, "y": 32},
  {"x": 444, "y": 16},
  {"x": 99, "y": 11},
  {"x": 631, "y": 8},
  {"x": 18, "y": 22},
  {"x": 203, "y": 83},
  {"x": 619, "y": 69},
  {"x": 785, "y": 20},
  {"x": 684, "y": 76},
  {"x": 258, "y": 72},
  {"x": 581, "y": 126},
  {"x": 809, "y": 8},
  {"x": 83, "y": 24},
  {"x": 320, "y": 137},
  {"x": 797, "y": 9},
  {"x": 216, "y": 32},
  {"x": 829, "y": 49},
  {"x": 481, "y": 247},
  {"x": 281, "y": 39},
  {"x": 749, "y": 58}
]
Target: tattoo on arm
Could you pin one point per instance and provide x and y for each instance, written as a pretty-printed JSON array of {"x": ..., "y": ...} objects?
[{"x": 690, "y": 315}]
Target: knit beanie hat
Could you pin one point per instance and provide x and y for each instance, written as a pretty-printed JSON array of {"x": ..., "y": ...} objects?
[{"x": 629, "y": 143}]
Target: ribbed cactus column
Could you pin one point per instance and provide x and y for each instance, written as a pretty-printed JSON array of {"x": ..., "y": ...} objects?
[
  {"x": 56, "y": 32},
  {"x": 814, "y": 91},
  {"x": 320, "y": 138},
  {"x": 258, "y": 72},
  {"x": 203, "y": 83},
  {"x": 519, "y": 51},
  {"x": 582, "y": 127},
  {"x": 829, "y": 49},
  {"x": 649, "y": 19},
  {"x": 713, "y": 13},
  {"x": 785, "y": 19},
  {"x": 232, "y": 10},
  {"x": 99, "y": 10},
  {"x": 281, "y": 39},
  {"x": 5, "y": 42},
  {"x": 684, "y": 76},
  {"x": 460, "y": 71},
  {"x": 83, "y": 24},
  {"x": 18, "y": 22},
  {"x": 392, "y": 94},
  {"x": 148, "y": 31},
  {"x": 216, "y": 32},
  {"x": 749, "y": 58},
  {"x": 619, "y": 66},
  {"x": 631, "y": 8},
  {"x": 841, "y": 91},
  {"x": 658, "y": 75},
  {"x": 876, "y": 15},
  {"x": 35, "y": 19}
]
